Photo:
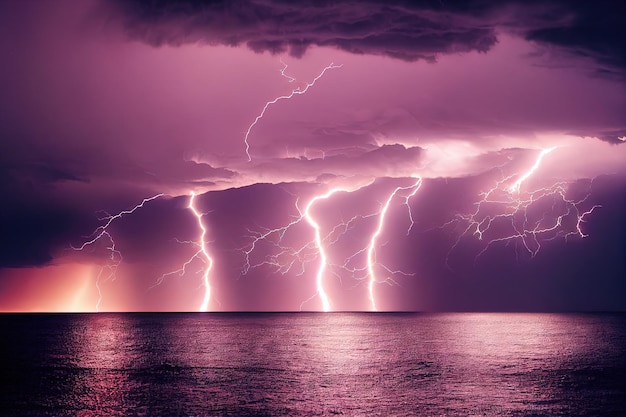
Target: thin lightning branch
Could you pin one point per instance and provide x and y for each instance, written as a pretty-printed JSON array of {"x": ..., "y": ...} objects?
[
  {"x": 282, "y": 72},
  {"x": 102, "y": 230},
  {"x": 265, "y": 237},
  {"x": 183, "y": 268},
  {"x": 294, "y": 92},
  {"x": 115, "y": 256}
]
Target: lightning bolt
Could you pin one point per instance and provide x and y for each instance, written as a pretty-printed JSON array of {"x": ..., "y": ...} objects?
[
  {"x": 115, "y": 256},
  {"x": 319, "y": 279},
  {"x": 102, "y": 230},
  {"x": 316, "y": 249},
  {"x": 515, "y": 187},
  {"x": 371, "y": 249},
  {"x": 287, "y": 256},
  {"x": 201, "y": 253},
  {"x": 511, "y": 206},
  {"x": 205, "y": 254},
  {"x": 294, "y": 92}
]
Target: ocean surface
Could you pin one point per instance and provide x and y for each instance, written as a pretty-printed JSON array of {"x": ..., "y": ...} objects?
[{"x": 313, "y": 364}]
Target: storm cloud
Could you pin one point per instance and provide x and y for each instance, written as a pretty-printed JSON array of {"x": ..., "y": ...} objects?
[{"x": 406, "y": 30}]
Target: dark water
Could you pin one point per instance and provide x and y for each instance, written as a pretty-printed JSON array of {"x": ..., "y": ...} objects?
[{"x": 313, "y": 364}]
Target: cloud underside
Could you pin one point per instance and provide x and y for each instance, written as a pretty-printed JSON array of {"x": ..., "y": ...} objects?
[{"x": 415, "y": 30}]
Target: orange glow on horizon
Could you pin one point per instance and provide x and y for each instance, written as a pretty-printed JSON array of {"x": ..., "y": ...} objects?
[{"x": 66, "y": 288}]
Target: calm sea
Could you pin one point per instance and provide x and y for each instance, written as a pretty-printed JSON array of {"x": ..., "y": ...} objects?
[{"x": 301, "y": 364}]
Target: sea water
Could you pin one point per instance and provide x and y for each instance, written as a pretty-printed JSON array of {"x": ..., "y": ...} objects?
[{"x": 313, "y": 364}]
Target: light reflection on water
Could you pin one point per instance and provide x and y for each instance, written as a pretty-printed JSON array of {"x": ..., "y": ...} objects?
[{"x": 313, "y": 364}]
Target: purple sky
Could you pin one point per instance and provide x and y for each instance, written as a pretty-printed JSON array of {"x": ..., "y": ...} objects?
[{"x": 430, "y": 107}]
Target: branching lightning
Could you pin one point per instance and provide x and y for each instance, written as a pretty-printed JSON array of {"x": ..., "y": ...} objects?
[
  {"x": 201, "y": 253},
  {"x": 511, "y": 211},
  {"x": 296, "y": 91},
  {"x": 286, "y": 257},
  {"x": 507, "y": 205},
  {"x": 102, "y": 230},
  {"x": 507, "y": 212},
  {"x": 115, "y": 256}
]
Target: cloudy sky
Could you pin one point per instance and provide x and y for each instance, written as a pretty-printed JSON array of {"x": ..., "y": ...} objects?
[{"x": 258, "y": 155}]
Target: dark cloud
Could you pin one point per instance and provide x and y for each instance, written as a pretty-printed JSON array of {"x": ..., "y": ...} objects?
[
  {"x": 593, "y": 29},
  {"x": 20, "y": 165},
  {"x": 407, "y": 30},
  {"x": 615, "y": 136},
  {"x": 37, "y": 174},
  {"x": 400, "y": 30},
  {"x": 31, "y": 234}
]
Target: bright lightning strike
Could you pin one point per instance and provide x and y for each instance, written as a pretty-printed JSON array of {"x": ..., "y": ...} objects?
[
  {"x": 115, "y": 256},
  {"x": 205, "y": 254},
  {"x": 294, "y": 92},
  {"x": 371, "y": 249},
  {"x": 319, "y": 280},
  {"x": 318, "y": 248},
  {"x": 515, "y": 187},
  {"x": 288, "y": 257},
  {"x": 201, "y": 253}
]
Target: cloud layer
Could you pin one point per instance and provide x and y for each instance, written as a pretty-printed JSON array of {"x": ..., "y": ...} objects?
[{"x": 407, "y": 30}]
